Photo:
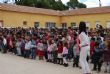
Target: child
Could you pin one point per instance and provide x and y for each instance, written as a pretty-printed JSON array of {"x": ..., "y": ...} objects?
[
  {"x": 92, "y": 44},
  {"x": 59, "y": 51},
  {"x": 45, "y": 50},
  {"x": 76, "y": 55},
  {"x": 65, "y": 54},
  {"x": 54, "y": 52},
  {"x": 49, "y": 52},
  {"x": 28, "y": 46},
  {"x": 97, "y": 58},
  {"x": 33, "y": 50},
  {"x": 107, "y": 56},
  {"x": 40, "y": 48},
  {"x": 23, "y": 47},
  {"x": 18, "y": 47}
]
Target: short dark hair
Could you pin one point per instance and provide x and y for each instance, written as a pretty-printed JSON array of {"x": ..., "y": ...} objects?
[{"x": 82, "y": 27}]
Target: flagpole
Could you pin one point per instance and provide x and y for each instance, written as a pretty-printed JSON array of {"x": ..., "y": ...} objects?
[{"x": 100, "y": 3}]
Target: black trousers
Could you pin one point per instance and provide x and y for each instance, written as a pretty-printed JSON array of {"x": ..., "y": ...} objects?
[
  {"x": 27, "y": 53},
  {"x": 97, "y": 65},
  {"x": 46, "y": 55},
  {"x": 76, "y": 61},
  {"x": 54, "y": 53}
]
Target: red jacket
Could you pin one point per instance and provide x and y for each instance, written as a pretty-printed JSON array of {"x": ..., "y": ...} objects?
[
  {"x": 92, "y": 44},
  {"x": 60, "y": 49}
]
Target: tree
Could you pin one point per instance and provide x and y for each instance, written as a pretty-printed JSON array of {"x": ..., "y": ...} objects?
[
  {"x": 75, "y": 4},
  {"x": 81, "y": 5},
  {"x": 48, "y": 4}
]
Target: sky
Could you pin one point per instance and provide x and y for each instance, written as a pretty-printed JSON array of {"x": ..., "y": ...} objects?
[
  {"x": 89, "y": 3},
  {"x": 92, "y": 3}
]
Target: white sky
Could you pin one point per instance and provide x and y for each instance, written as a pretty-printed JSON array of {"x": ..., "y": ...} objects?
[
  {"x": 92, "y": 3},
  {"x": 89, "y": 3}
]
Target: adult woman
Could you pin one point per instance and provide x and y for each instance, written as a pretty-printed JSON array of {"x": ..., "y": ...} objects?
[{"x": 85, "y": 48}]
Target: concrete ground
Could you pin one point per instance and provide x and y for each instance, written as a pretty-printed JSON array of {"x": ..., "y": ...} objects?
[{"x": 11, "y": 64}]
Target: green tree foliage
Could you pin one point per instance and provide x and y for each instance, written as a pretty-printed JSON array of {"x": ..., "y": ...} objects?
[
  {"x": 75, "y": 4},
  {"x": 51, "y": 4},
  {"x": 48, "y": 4}
]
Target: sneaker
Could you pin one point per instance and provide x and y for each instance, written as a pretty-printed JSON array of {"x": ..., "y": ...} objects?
[
  {"x": 65, "y": 65},
  {"x": 94, "y": 69}
]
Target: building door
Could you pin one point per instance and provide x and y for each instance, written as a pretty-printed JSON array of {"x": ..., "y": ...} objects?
[{"x": 108, "y": 24}]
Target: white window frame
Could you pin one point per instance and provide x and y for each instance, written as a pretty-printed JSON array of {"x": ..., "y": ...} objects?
[
  {"x": 108, "y": 24},
  {"x": 37, "y": 23},
  {"x": 73, "y": 25},
  {"x": 88, "y": 24}
]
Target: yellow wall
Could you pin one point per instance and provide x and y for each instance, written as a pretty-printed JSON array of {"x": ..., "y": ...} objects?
[
  {"x": 1, "y": 15},
  {"x": 15, "y": 19},
  {"x": 91, "y": 18}
]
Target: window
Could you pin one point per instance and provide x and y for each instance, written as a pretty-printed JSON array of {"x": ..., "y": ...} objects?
[
  {"x": 47, "y": 24},
  {"x": 73, "y": 25},
  {"x": 64, "y": 25},
  {"x": 108, "y": 24},
  {"x": 24, "y": 23},
  {"x": 36, "y": 24},
  {"x": 50, "y": 24},
  {"x": 87, "y": 24}
]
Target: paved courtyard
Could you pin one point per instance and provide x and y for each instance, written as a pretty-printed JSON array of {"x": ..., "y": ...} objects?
[{"x": 11, "y": 64}]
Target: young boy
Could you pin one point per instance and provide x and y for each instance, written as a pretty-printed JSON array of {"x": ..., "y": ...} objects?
[{"x": 97, "y": 58}]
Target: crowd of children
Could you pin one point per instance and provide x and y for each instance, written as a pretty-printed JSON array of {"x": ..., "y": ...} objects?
[{"x": 58, "y": 46}]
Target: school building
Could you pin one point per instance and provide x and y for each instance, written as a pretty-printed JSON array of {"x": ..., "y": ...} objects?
[{"x": 23, "y": 16}]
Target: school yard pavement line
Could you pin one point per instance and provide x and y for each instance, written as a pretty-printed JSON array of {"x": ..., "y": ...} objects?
[{"x": 11, "y": 64}]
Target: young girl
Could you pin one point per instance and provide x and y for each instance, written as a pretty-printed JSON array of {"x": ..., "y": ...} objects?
[
  {"x": 40, "y": 48},
  {"x": 65, "y": 54},
  {"x": 59, "y": 51},
  {"x": 92, "y": 44},
  {"x": 49, "y": 52}
]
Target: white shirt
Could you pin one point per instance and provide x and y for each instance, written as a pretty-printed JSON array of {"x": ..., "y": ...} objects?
[
  {"x": 84, "y": 39},
  {"x": 4, "y": 41},
  {"x": 29, "y": 45}
]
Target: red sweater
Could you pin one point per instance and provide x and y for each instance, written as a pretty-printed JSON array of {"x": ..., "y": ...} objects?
[
  {"x": 60, "y": 49},
  {"x": 92, "y": 44}
]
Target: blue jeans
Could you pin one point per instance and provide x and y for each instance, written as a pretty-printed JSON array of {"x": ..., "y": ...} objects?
[{"x": 33, "y": 53}]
